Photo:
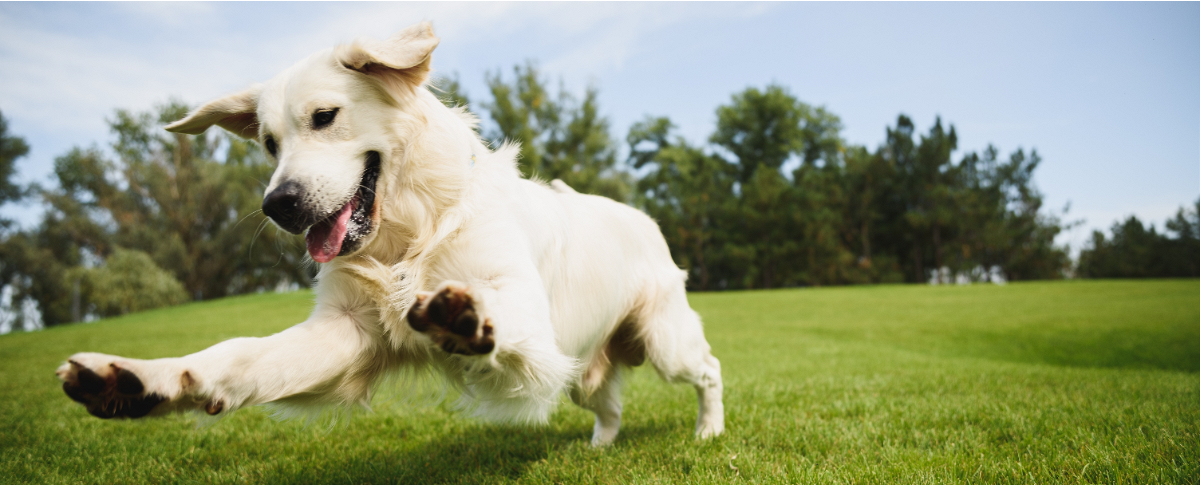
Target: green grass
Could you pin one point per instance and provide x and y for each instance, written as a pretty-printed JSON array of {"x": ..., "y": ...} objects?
[{"x": 1060, "y": 382}]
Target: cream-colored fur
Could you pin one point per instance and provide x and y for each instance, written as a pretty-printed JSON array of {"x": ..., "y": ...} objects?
[{"x": 577, "y": 287}]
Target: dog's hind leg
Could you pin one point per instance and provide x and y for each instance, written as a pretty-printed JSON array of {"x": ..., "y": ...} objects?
[
  {"x": 674, "y": 339},
  {"x": 710, "y": 422},
  {"x": 605, "y": 402}
]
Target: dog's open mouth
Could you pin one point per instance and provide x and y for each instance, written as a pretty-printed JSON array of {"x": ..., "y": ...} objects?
[{"x": 342, "y": 232}]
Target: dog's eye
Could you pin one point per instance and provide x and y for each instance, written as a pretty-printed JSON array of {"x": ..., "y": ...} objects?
[
  {"x": 271, "y": 147},
  {"x": 322, "y": 118}
]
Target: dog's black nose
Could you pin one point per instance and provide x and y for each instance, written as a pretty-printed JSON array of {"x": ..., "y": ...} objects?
[{"x": 284, "y": 206}]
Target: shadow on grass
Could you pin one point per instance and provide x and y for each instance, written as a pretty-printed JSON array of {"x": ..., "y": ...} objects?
[{"x": 482, "y": 455}]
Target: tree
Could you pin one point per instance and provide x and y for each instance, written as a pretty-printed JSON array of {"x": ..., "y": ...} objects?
[
  {"x": 11, "y": 149},
  {"x": 866, "y": 180},
  {"x": 689, "y": 193},
  {"x": 190, "y": 203},
  {"x": 171, "y": 196},
  {"x": 931, "y": 209},
  {"x": 979, "y": 214},
  {"x": 560, "y": 137},
  {"x": 129, "y": 281},
  {"x": 15, "y": 249},
  {"x": 760, "y": 129},
  {"x": 1024, "y": 243},
  {"x": 1184, "y": 251},
  {"x": 1135, "y": 251},
  {"x": 786, "y": 232},
  {"x": 842, "y": 215},
  {"x": 1130, "y": 253}
]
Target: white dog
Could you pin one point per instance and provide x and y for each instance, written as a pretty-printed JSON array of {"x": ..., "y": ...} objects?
[{"x": 434, "y": 253}]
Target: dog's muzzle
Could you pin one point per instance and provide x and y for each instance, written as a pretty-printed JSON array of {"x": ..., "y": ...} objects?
[
  {"x": 284, "y": 206},
  {"x": 339, "y": 232}
]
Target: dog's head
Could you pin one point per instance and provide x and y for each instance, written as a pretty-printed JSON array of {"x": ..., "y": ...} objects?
[{"x": 328, "y": 122}]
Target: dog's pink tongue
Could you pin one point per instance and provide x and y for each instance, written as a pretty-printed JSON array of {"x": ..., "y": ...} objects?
[{"x": 325, "y": 238}]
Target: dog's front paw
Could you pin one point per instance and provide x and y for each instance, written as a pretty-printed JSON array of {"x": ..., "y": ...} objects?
[
  {"x": 106, "y": 386},
  {"x": 449, "y": 316}
]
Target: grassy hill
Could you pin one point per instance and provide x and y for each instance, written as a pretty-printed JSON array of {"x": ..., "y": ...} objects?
[{"x": 1057, "y": 382}]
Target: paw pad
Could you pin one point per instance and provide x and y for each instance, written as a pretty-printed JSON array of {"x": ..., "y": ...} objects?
[
  {"x": 118, "y": 393},
  {"x": 449, "y": 318}
]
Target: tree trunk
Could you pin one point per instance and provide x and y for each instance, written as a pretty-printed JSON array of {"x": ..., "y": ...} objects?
[
  {"x": 866, "y": 240},
  {"x": 937, "y": 252},
  {"x": 767, "y": 273},
  {"x": 866, "y": 219},
  {"x": 920, "y": 270},
  {"x": 812, "y": 265},
  {"x": 76, "y": 314}
]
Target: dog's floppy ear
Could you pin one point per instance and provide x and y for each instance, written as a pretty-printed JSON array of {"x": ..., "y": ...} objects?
[
  {"x": 404, "y": 57},
  {"x": 237, "y": 113}
]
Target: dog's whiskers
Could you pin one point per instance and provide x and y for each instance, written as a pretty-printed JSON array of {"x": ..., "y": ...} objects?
[
  {"x": 255, "y": 238},
  {"x": 252, "y": 213},
  {"x": 279, "y": 249}
]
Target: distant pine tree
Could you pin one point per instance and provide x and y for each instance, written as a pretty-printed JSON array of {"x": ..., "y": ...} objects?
[{"x": 1135, "y": 251}]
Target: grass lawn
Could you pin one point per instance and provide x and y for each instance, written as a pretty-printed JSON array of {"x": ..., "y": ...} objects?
[{"x": 1055, "y": 382}]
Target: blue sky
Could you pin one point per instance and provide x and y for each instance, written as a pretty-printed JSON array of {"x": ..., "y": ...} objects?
[{"x": 1108, "y": 93}]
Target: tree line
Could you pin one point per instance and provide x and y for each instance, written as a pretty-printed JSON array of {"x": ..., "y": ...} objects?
[
  {"x": 775, "y": 197},
  {"x": 1134, "y": 251}
]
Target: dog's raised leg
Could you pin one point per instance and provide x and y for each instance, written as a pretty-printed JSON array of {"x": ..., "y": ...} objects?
[
  {"x": 451, "y": 318},
  {"x": 500, "y": 339},
  {"x": 315, "y": 360}
]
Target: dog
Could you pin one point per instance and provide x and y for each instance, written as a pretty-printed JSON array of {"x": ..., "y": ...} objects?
[{"x": 435, "y": 254}]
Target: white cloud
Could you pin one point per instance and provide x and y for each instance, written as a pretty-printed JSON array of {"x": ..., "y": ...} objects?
[{"x": 68, "y": 81}]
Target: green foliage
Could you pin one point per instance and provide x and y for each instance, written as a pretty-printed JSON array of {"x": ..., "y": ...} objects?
[
  {"x": 689, "y": 193},
  {"x": 844, "y": 214},
  {"x": 739, "y": 222},
  {"x": 979, "y": 213},
  {"x": 189, "y": 202},
  {"x": 1049, "y": 382},
  {"x": 1133, "y": 251},
  {"x": 21, "y": 257},
  {"x": 765, "y": 128},
  {"x": 560, "y": 137},
  {"x": 11, "y": 149},
  {"x": 129, "y": 281}
]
